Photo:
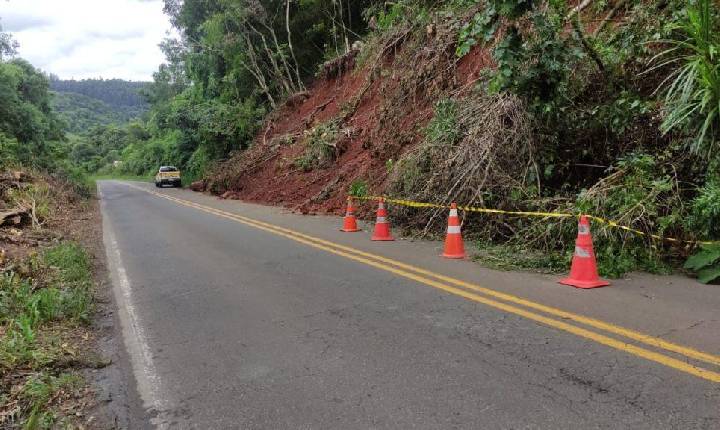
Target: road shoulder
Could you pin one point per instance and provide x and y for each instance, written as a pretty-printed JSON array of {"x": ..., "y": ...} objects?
[{"x": 674, "y": 308}]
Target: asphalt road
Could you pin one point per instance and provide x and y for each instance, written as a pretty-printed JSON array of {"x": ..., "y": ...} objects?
[{"x": 228, "y": 326}]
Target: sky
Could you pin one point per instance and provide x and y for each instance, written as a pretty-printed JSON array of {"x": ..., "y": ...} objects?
[{"x": 88, "y": 38}]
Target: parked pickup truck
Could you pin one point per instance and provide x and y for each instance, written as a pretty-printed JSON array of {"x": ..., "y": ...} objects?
[{"x": 167, "y": 175}]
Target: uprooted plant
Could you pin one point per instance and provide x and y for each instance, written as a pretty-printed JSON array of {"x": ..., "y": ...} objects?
[
  {"x": 476, "y": 151},
  {"x": 322, "y": 145}
]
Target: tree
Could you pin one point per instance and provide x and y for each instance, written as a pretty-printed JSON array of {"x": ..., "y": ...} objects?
[
  {"x": 8, "y": 46},
  {"x": 25, "y": 114},
  {"x": 233, "y": 60}
]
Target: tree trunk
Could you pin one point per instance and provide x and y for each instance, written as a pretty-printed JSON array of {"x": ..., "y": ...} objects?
[
  {"x": 256, "y": 71},
  {"x": 279, "y": 75},
  {"x": 290, "y": 46}
]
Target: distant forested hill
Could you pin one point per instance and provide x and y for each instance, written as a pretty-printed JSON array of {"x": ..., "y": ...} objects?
[
  {"x": 91, "y": 102},
  {"x": 81, "y": 113},
  {"x": 114, "y": 92}
]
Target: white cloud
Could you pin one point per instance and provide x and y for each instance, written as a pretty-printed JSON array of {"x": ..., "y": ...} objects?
[{"x": 89, "y": 38}]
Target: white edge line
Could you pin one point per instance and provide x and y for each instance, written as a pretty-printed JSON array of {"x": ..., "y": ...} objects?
[{"x": 149, "y": 384}]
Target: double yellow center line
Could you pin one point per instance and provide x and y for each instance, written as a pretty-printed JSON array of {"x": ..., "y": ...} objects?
[{"x": 547, "y": 315}]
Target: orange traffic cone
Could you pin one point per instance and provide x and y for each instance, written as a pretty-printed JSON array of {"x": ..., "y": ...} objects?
[
  {"x": 584, "y": 273},
  {"x": 382, "y": 226},
  {"x": 454, "y": 246},
  {"x": 350, "y": 222}
]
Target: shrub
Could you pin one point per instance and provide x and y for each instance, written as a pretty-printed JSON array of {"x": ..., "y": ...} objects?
[
  {"x": 706, "y": 263},
  {"x": 639, "y": 193},
  {"x": 705, "y": 212},
  {"x": 358, "y": 188},
  {"x": 693, "y": 90},
  {"x": 35, "y": 198},
  {"x": 9, "y": 148},
  {"x": 444, "y": 127},
  {"x": 320, "y": 146},
  {"x": 391, "y": 14},
  {"x": 197, "y": 165}
]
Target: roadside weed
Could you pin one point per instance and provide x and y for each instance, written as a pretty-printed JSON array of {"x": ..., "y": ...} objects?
[
  {"x": 38, "y": 311},
  {"x": 320, "y": 146},
  {"x": 358, "y": 188},
  {"x": 693, "y": 90},
  {"x": 706, "y": 263},
  {"x": 35, "y": 198}
]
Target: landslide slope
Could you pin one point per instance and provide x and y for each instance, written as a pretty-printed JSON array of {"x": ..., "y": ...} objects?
[{"x": 364, "y": 111}]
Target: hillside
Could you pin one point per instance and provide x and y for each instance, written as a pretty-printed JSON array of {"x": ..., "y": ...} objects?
[
  {"x": 96, "y": 102},
  {"x": 114, "y": 92},
  {"x": 516, "y": 109},
  {"x": 580, "y": 107},
  {"x": 81, "y": 113}
]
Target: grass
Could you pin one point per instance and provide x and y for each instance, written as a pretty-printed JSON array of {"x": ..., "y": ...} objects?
[
  {"x": 40, "y": 390},
  {"x": 358, "y": 188},
  {"x": 509, "y": 257},
  {"x": 41, "y": 314}
]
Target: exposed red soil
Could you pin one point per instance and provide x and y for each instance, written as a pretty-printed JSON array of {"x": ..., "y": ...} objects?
[
  {"x": 386, "y": 122},
  {"x": 268, "y": 175}
]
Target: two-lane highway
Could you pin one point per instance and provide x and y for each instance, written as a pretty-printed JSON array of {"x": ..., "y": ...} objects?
[{"x": 231, "y": 322}]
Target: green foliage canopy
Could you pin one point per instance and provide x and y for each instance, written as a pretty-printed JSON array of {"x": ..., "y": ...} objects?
[{"x": 28, "y": 125}]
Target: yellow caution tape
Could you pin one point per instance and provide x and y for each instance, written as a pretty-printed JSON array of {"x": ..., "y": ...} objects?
[{"x": 613, "y": 224}]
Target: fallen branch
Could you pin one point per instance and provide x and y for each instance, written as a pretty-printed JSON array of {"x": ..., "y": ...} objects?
[
  {"x": 319, "y": 108},
  {"x": 13, "y": 216},
  {"x": 586, "y": 45},
  {"x": 579, "y": 8},
  {"x": 608, "y": 17}
]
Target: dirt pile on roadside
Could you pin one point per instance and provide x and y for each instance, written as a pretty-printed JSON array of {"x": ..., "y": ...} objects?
[{"x": 352, "y": 126}]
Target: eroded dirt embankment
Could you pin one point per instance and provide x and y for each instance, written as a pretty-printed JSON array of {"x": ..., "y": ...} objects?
[{"x": 381, "y": 103}]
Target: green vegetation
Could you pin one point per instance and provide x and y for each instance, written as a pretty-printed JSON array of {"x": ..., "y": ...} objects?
[
  {"x": 358, "y": 188},
  {"x": 321, "y": 146},
  {"x": 232, "y": 64},
  {"x": 620, "y": 118},
  {"x": 706, "y": 263},
  {"x": 444, "y": 128},
  {"x": 124, "y": 96},
  {"x": 81, "y": 113},
  {"x": 41, "y": 310},
  {"x": 30, "y": 132},
  {"x": 693, "y": 92},
  {"x": 103, "y": 118},
  {"x": 584, "y": 121}
]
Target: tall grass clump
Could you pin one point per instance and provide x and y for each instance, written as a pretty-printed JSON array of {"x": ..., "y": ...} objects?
[
  {"x": 40, "y": 313},
  {"x": 693, "y": 90}
]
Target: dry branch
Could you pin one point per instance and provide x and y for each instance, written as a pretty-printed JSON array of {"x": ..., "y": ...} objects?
[
  {"x": 492, "y": 156},
  {"x": 13, "y": 217}
]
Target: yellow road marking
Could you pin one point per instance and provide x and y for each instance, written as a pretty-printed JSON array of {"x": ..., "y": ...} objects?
[
  {"x": 611, "y": 328},
  {"x": 578, "y": 331}
]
